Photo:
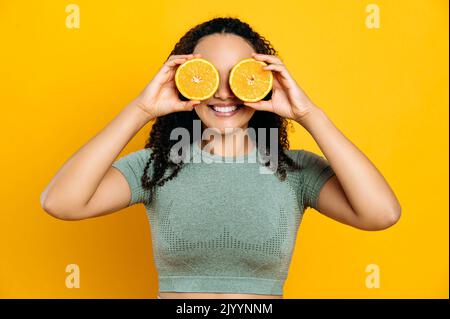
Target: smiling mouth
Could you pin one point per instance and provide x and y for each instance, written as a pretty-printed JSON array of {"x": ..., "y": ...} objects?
[{"x": 226, "y": 109}]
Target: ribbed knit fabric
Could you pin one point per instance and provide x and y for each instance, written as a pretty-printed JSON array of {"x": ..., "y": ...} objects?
[{"x": 223, "y": 226}]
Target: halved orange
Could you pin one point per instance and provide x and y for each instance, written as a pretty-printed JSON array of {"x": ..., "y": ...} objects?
[
  {"x": 197, "y": 79},
  {"x": 249, "y": 81}
]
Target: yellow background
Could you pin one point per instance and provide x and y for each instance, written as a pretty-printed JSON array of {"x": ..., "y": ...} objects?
[{"x": 386, "y": 89}]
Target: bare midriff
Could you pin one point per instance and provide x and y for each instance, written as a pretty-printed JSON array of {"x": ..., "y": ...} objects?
[{"x": 201, "y": 295}]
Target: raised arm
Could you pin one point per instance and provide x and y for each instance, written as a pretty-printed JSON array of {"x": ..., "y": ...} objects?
[
  {"x": 358, "y": 194},
  {"x": 87, "y": 185},
  {"x": 88, "y": 173}
]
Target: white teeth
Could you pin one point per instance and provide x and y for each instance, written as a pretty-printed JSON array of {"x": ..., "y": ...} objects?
[{"x": 224, "y": 109}]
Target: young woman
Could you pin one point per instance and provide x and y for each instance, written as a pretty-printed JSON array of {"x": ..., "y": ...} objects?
[{"x": 220, "y": 229}]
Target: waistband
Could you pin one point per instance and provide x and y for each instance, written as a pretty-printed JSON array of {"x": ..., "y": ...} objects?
[{"x": 249, "y": 285}]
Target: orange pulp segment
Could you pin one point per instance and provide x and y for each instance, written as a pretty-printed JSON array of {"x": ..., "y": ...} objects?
[
  {"x": 197, "y": 79},
  {"x": 249, "y": 81}
]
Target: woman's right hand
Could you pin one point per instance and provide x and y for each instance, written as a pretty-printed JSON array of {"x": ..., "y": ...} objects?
[{"x": 160, "y": 96}]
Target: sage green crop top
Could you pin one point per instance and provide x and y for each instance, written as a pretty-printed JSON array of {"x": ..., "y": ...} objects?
[{"x": 226, "y": 227}]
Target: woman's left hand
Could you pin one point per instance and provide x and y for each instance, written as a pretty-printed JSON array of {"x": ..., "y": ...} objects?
[{"x": 288, "y": 99}]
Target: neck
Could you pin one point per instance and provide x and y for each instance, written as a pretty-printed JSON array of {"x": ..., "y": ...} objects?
[{"x": 236, "y": 143}]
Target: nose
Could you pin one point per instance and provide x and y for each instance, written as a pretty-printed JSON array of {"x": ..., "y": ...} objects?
[{"x": 224, "y": 91}]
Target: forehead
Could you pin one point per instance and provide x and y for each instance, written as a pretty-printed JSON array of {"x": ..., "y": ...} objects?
[{"x": 223, "y": 50}]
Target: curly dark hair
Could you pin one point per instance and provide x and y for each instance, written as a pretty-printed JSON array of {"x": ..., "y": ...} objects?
[{"x": 159, "y": 140}]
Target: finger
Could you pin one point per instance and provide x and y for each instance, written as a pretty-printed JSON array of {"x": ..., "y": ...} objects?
[
  {"x": 182, "y": 59},
  {"x": 193, "y": 103},
  {"x": 194, "y": 56},
  {"x": 276, "y": 83},
  {"x": 277, "y": 68},
  {"x": 177, "y": 56},
  {"x": 281, "y": 74},
  {"x": 260, "y": 105},
  {"x": 274, "y": 67},
  {"x": 174, "y": 62},
  {"x": 186, "y": 56},
  {"x": 189, "y": 105},
  {"x": 267, "y": 58}
]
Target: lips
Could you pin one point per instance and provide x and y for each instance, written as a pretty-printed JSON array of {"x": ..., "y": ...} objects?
[{"x": 225, "y": 110}]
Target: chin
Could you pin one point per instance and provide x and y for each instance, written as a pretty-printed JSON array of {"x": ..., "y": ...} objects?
[
  {"x": 214, "y": 130},
  {"x": 224, "y": 120}
]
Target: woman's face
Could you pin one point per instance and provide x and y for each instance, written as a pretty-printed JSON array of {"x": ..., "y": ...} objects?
[{"x": 221, "y": 111}]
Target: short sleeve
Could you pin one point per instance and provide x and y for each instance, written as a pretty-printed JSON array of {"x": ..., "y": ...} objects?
[
  {"x": 132, "y": 168},
  {"x": 314, "y": 173}
]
